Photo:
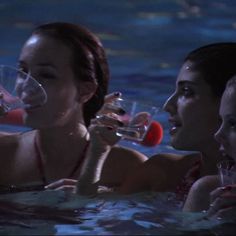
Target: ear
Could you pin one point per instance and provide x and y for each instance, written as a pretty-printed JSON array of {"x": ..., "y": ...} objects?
[{"x": 86, "y": 90}]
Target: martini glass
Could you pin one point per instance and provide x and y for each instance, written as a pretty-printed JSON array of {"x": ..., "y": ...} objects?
[{"x": 19, "y": 90}]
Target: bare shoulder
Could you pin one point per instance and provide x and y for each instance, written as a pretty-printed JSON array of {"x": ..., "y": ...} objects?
[
  {"x": 10, "y": 142},
  {"x": 7, "y": 139},
  {"x": 124, "y": 159},
  {"x": 15, "y": 156},
  {"x": 8, "y": 149},
  {"x": 4, "y": 134},
  {"x": 127, "y": 154},
  {"x": 198, "y": 198},
  {"x": 172, "y": 158},
  {"x": 119, "y": 164},
  {"x": 206, "y": 184},
  {"x": 154, "y": 174}
]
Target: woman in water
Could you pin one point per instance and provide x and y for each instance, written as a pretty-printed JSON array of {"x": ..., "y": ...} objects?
[
  {"x": 70, "y": 63},
  {"x": 206, "y": 193},
  {"x": 194, "y": 119}
]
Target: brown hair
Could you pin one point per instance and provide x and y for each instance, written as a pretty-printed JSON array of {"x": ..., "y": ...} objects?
[
  {"x": 216, "y": 63},
  {"x": 89, "y": 60}
]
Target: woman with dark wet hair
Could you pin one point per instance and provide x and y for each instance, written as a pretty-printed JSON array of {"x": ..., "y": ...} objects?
[
  {"x": 70, "y": 63},
  {"x": 194, "y": 118}
]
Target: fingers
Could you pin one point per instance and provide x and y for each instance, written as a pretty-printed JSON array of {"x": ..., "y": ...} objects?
[
  {"x": 67, "y": 188},
  {"x": 62, "y": 183},
  {"x": 110, "y": 120},
  {"x": 224, "y": 201},
  {"x": 218, "y": 191},
  {"x": 112, "y": 96},
  {"x": 4, "y": 108},
  {"x": 140, "y": 119},
  {"x": 227, "y": 213},
  {"x": 221, "y": 190},
  {"x": 104, "y": 135},
  {"x": 109, "y": 107}
]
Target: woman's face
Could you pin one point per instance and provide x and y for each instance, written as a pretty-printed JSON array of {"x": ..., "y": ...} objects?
[
  {"x": 49, "y": 62},
  {"x": 226, "y": 135},
  {"x": 193, "y": 111}
]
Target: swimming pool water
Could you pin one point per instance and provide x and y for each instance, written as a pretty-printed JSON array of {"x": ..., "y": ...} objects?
[
  {"x": 57, "y": 213},
  {"x": 146, "y": 41}
]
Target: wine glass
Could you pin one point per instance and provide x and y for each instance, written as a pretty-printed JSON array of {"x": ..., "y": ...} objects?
[
  {"x": 227, "y": 172},
  {"x": 136, "y": 119},
  {"x": 19, "y": 90}
]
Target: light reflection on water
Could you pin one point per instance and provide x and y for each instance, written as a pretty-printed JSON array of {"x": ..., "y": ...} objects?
[{"x": 54, "y": 212}]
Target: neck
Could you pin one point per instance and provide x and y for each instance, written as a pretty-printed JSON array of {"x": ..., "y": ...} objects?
[{"x": 62, "y": 142}]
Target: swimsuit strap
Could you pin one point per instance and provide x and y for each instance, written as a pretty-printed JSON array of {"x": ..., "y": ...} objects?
[{"x": 41, "y": 166}]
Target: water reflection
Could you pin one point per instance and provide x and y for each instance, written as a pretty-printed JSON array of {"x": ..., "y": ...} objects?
[{"x": 58, "y": 213}]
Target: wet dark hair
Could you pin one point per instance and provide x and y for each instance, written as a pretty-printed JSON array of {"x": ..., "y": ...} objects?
[
  {"x": 89, "y": 60},
  {"x": 216, "y": 64}
]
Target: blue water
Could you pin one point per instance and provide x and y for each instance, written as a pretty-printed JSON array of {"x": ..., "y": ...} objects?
[
  {"x": 57, "y": 213},
  {"x": 146, "y": 41}
]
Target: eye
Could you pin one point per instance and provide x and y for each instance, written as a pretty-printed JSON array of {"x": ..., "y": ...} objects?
[
  {"x": 186, "y": 91},
  {"x": 22, "y": 73},
  {"x": 232, "y": 123},
  {"x": 22, "y": 68},
  {"x": 46, "y": 75}
]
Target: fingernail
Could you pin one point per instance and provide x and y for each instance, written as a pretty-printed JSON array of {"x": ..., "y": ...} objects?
[
  {"x": 121, "y": 111},
  {"x": 120, "y": 123},
  {"x": 117, "y": 94},
  {"x": 110, "y": 128},
  {"x": 226, "y": 188}
]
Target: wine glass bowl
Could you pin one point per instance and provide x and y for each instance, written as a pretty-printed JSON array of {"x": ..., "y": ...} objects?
[
  {"x": 19, "y": 89},
  {"x": 136, "y": 120},
  {"x": 227, "y": 172}
]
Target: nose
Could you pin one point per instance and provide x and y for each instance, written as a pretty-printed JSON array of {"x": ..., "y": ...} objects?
[{"x": 170, "y": 104}]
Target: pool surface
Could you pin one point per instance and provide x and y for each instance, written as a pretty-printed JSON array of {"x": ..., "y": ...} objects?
[
  {"x": 146, "y": 41},
  {"x": 57, "y": 213}
]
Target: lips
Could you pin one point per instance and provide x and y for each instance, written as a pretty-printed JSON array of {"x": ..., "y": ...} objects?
[
  {"x": 175, "y": 125},
  {"x": 224, "y": 154},
  {"x": 31, "y": 109}
]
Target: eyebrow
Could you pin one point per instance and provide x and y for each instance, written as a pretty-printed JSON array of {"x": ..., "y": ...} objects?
[
  {"x": 46, "y": 65},
  {"x": 184, "y": 82},
  {"x": 43, "y": 64}
]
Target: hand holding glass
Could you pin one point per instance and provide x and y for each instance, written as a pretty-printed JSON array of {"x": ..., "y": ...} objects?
[
  {"x": 19, "y": 90},
  {"x": 227, "y": 172},
  {"x": 136, "y": 119}
]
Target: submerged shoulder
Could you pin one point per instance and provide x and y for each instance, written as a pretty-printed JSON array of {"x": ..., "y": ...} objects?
[{"x": 199, "y": 195}]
